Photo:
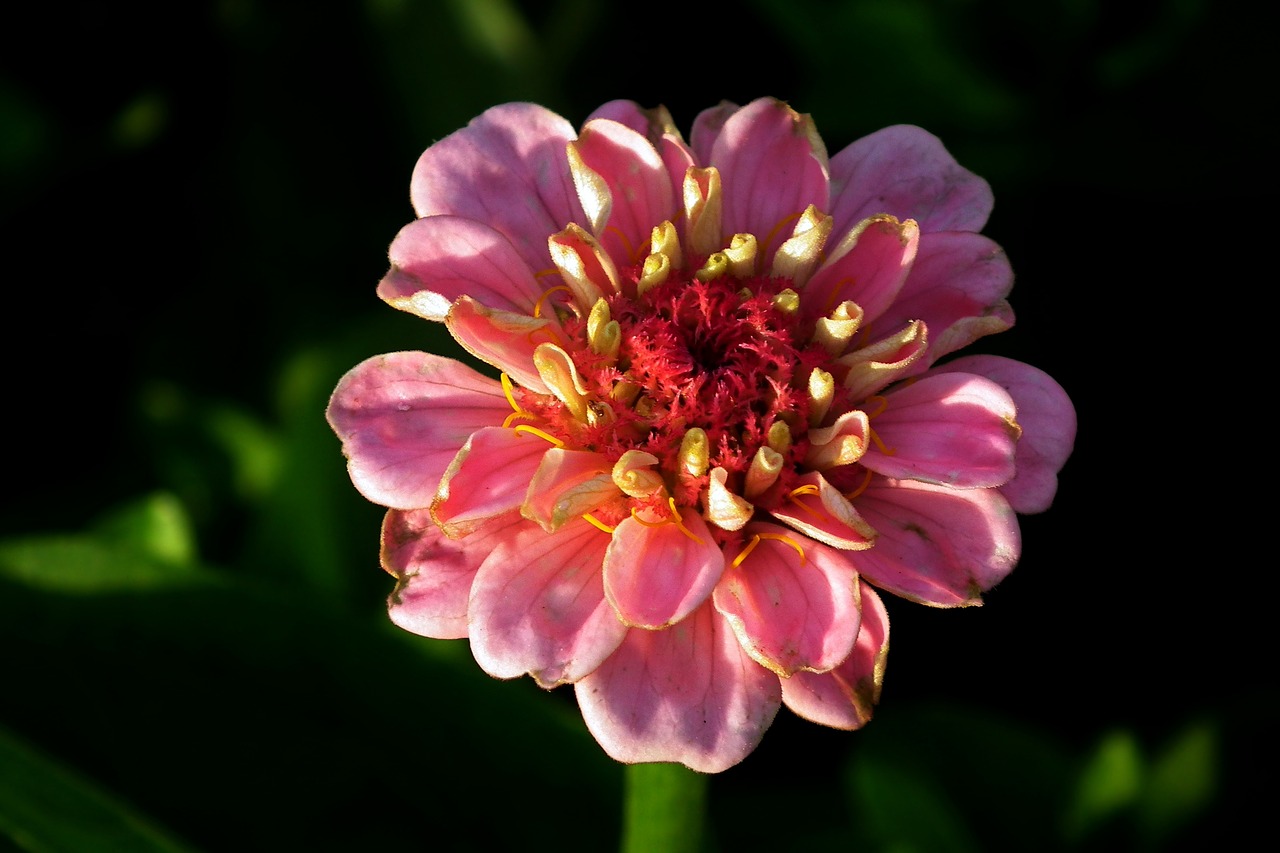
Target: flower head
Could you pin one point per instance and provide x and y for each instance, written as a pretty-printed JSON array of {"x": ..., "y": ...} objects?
[{"x": 720, "y": 422}]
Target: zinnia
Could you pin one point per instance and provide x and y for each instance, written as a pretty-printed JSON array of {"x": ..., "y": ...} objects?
[{"x": 720, "y": 419}]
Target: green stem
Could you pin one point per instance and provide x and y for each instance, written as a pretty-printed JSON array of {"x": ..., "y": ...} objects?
[{"x": 664, "y": 809}]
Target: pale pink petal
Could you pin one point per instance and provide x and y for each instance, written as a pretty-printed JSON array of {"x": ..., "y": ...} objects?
[
  {"x": 439, "y": 258},
  {"x": 434, "y": 573},
  {"x": 957, "y": 286},
  {"x": 689, "y": 694},
  {"x": 772, "y": 166},
  {"x": 506, "y": 168},
  {"x": 819, "y": 511},
  {"x": 953, "y": 429},
  {"x": 657, "y": 575},
  {"x": 905, "y": 171},
  {"x": 656, "y": 126},
  {"x": 639, "y": 188},
  {"x": 402, "y": 418},
  {"x": 567, "y": 484},
  {"x": 538, "y": 606},
  {"x": 845, "y": 697},
  {"x": 793, "y": 605},
  {"x": 706, "y": 130},
  {"x": 489, "y": 476},
  {"x": 936, "y": 545},
  {"x": 503, "y": 339},
  {"x": 869, "y": 267},
  {"x": 1048, "y": 421}
]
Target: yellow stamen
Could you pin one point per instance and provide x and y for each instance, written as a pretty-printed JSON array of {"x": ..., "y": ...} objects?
[
  {"x": 751, "y": 546},
  {"x": 675, "y": 518},
  {"x": 808, "y": 489},
  {"x": 509, "y": 390},
  {"x": 755, "y": 540},
  {"x": 882, "y": 403},
  {"x": 537, "y": 306},
  {"x": 879, "y": 442},
  {"x": 779, "y": 537},
  {"x": 866, "y": 481},
  {"x": 773, "y": 232},
  {"x": 540, "y": 434},
  {"x": 596, "y": 523},
  {"x": 515, "y": 416}
]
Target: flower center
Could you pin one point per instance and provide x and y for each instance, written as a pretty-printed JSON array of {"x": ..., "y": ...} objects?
[{"x": 726, "y": 356}]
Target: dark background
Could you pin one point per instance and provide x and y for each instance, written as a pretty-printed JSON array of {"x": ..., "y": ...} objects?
[{"x": 195, "y": 205}]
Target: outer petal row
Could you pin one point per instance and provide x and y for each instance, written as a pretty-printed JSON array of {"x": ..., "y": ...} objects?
[{"x": 402, "y": 418}]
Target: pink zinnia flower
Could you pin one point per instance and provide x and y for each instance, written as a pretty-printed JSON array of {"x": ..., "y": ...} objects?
[{"x": 720, "y": 421}]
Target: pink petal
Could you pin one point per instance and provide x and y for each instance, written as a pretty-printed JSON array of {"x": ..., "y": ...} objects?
[
  {"x": 688, "y": 694},
  {"x": 656, "y": 576},
  {"x": 656, "y": 126},
  {"x": 439, "y": 258},
  {"x": 503, "y": 339},
  {"x": 905, "y": 171},
  {"x": 957, "y": 286},
  {"x": 435, "y": 573},
  {"x": 706, "y": 130},
  {"x": 538, "y": 606},
  {"x": 825, "y": 515},
  {"x": 489, "y": 476},
  {"x": 402, "y": 418},
  {"x": 953, "y": 429},
  {"x": 937, "y": 545},
  {"x": 869, "y": 267},
  {"x": 506, "y": 168},
  {"x": 772, "y": 166},
  {"x": 639, "y": 188},
  {"x": 567, "y": 484},
  {"x": 845, "y": 697},
  {"x": 791, "y": 610},
  {"x": 1048, "y": 421}
]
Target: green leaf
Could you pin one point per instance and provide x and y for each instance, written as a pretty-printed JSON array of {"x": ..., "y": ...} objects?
[
  {"x": 1181, "y": 783},
  {"x": 904, "y": 810},
  {"x": 156, "y": 526},
  {"x": 87, "y": 565},
  {"x": 46, "y": 807},
  {"x": 1109, "y": 784}
]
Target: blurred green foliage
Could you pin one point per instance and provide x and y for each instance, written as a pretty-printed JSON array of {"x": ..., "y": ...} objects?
[{"x": 199, "y": 197}]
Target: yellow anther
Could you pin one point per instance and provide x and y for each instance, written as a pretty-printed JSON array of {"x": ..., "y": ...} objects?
[
  {"x": 717, "y": 266},
  {"x": 779, "y": 437},
  {"x": 806, "y": 489},
  {"x": 741, "y": 254},
  {"x": 787, "y": 301},
  {"x": 675, "y": 518},
  {"x": 540, "y": 434},
  {"x": 537, "y": 306},
  {"x": 596, "y": 523},
  {"x": 656, "y": 270}
]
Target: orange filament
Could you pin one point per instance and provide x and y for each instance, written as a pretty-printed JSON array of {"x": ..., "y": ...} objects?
[
  {"x": 509, "y": 390},
  {"x": 626, "y": 244},
  {"x": 887, "y": 451},
  {"x": 773, "y": 232},
  {"x": 882, "y": 403},
  {"x": 537, "y": 306},
  {"x": 755, "y": 540},
  {"x": 515, "y": 416},
  {"x": 836, "y": 290},
  {"x": 597, "y": 523},
  {"x": 808, "y": 489},
  {"x": 540, "y": 434},
  {"x": 866, "y": 481},
  {"x": 675, "y": 518}
]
